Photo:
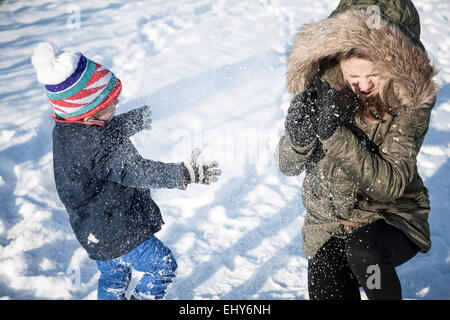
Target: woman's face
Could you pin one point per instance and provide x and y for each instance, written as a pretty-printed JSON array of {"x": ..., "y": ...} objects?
[{"x": 361, "y": 76}]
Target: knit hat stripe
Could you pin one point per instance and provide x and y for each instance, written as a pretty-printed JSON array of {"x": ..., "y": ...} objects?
[
  {"x": 86, "y": 99},
  {"x": 82, "y": 63},
  {"x": 98, "y": 78},
  {"x": 83, "y": 97},
  {"x": 95, "y": 103},
  {"x": 79, "y": 85},
  {"x": 57, "y": 108},
  {"x": 101, "y": 83},
  {"x": 69, "y": 108}
]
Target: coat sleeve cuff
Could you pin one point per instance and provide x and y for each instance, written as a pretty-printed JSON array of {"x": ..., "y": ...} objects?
[
  {"x": 306, "y": 149},
  {"x": 331, "y": 141}
]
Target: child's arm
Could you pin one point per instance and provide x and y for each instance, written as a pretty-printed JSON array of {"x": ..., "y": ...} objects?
[
  {"x": 119, "y": 161},
  {"x": 122, "y": 163},
  {"x": 131, "y": 122}
]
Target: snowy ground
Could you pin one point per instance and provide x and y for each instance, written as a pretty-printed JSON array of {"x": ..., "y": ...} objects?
[{"x": 214, "y": 74}]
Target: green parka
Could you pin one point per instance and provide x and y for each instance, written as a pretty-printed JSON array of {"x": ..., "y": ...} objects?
[{"x": 367, "y": 170}]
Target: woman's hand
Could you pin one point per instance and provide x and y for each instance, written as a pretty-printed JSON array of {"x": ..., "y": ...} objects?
[
  {"x": 328, "y": 110},
  {"x": 301, "y": 118},
  {"x": 335, "y": 108}
]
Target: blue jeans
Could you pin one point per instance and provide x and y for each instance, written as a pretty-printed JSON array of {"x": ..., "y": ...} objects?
[{"x": 152, "y": 258}]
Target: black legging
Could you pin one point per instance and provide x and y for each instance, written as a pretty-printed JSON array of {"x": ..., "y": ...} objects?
[{"x": 367, "y": 258}]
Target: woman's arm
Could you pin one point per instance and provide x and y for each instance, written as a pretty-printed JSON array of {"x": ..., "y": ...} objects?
[
  {"x": 384, "y": 176},
  {"x": 292, "y": 160},
  {"x": 297, "y": 147}
]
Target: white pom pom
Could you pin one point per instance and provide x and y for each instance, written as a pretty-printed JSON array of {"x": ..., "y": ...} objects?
[
  {"x": 44, "y": 55},
  {"x": 52, "y": 67}
]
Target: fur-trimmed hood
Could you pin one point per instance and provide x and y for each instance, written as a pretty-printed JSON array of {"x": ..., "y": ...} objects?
[{"x": 406, "y": 67}]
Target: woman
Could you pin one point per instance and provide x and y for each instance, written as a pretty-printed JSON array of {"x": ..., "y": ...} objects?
[{"x": 363, "y": 96}]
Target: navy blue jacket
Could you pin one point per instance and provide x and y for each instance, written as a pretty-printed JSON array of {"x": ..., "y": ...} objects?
[{"x": 105, "y": 185}]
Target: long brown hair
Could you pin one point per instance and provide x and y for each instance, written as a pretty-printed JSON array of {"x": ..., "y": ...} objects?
[{"x": 379, "y": 101}]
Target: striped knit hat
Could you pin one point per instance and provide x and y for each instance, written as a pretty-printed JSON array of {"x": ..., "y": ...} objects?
[{"x": 76, "y": 86}]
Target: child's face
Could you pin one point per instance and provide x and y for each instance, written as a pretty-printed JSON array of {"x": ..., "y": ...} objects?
[{"x": 107, "y": 113}]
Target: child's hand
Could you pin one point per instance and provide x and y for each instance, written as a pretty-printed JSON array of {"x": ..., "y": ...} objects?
[
  {"x": 146, "y": 117},
  {"x": 203, "y": 173}
]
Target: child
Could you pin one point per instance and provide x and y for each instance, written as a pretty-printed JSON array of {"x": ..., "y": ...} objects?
[{"x": 103, "y": 181}]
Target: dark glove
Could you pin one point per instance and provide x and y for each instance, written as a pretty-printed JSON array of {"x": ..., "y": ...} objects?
[
  {"x": 144, "y": 121},
  {"x": 139, "y": 119},
  {"x": 334, "y": 108},
  {"x": 203, "y": 173},
  {"x": 301, "y": 118},
  {"x": 131, "y": 122}
]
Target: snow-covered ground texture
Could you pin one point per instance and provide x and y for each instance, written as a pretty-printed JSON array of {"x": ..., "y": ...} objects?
[{"x": 214, "y": 74}]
